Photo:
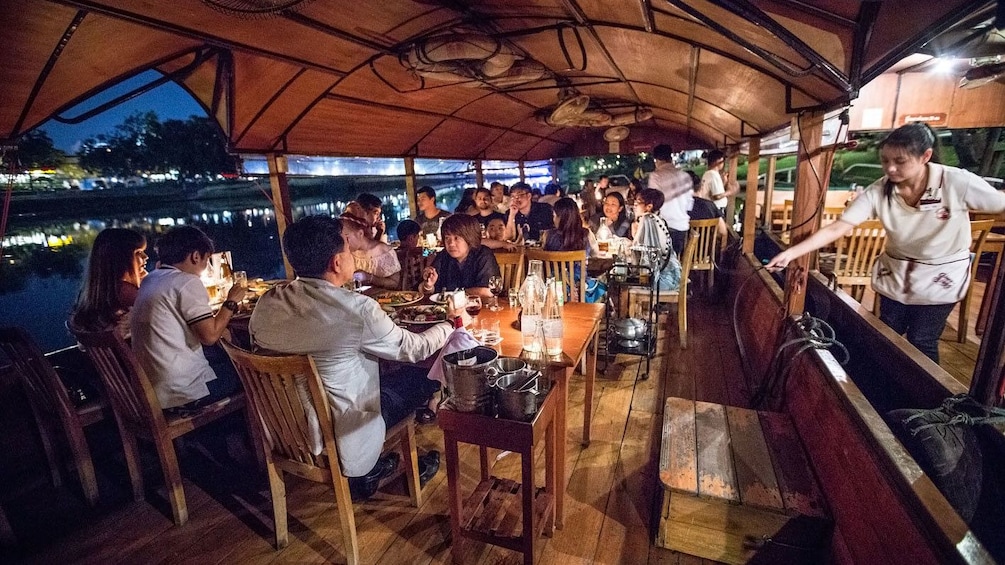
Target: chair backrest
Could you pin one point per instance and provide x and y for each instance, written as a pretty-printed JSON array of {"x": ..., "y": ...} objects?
[
  {"x": 564, "y": 266},
  {"x": 129, "y": 390},
  {"x": 287, "y": 396},
  {"x": 999, "y": 219},
  {"x": 857, "y": 251},
  {"x": 412, "y": 262},
  {"x": 707, "y": 247},
  {"x": 687, "y": 260},
  {"x": 786, "y": 222},
  {"x": 979, "y": 231},
  {"x": 830, "y": 215},
  {"x": 511, "y": 267},
  {"x": 41, "y": 383}
]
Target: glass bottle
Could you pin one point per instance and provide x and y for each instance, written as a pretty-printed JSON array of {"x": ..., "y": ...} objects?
[
  {"x": 552, "y": 316},
  {"x": 604, "y": 237},
  {"x": 532, "y": 293}
]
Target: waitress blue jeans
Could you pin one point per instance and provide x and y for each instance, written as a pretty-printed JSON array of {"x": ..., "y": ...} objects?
[{"x": 922, "y": 324}]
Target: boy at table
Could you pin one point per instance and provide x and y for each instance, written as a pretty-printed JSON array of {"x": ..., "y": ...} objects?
[
  {"x": 346, "y": 332},
  {"x": 172, "y": 321}
]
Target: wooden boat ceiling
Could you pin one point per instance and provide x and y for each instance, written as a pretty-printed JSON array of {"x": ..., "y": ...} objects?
[{"x": 326, "y": 78}]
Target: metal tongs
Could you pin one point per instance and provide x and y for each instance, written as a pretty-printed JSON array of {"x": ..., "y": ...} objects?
[{"x": 528, "y": 384}]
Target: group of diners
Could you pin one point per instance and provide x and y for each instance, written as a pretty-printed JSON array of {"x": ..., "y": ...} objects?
[{"x": 167, "y": 317}]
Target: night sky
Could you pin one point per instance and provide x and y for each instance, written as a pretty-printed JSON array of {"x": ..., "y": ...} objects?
[{"x": 168, "y": 101}]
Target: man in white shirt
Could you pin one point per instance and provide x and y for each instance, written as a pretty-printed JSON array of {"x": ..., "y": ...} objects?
[
  {"x": 714, "y": 182},
  {"x": 677, "y": 189},
  {"x": 172, "y": 320},
  {"x": 346, "y": 333}
]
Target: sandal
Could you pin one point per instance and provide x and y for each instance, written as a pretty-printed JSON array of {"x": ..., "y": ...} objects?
[{"x": 425, "y": 416}]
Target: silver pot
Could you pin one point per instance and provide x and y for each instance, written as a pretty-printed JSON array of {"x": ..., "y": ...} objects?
[
  {"x": 517, "y": 395},
  {"x": 630, "y": 328},
  {"x": 467, "y": 379}
]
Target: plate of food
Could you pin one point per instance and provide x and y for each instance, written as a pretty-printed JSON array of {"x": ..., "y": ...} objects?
[
  {"x": 424, "y": 314},
  {"x": 441, "y": 297},
  {"x": 395, "y": 298}
]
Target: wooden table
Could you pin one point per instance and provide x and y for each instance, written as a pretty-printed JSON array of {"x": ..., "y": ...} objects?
[{"x": 500, "y": 511}]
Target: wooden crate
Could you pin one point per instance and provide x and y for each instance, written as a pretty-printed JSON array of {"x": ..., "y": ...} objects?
[{"x": 738, "y": 487}]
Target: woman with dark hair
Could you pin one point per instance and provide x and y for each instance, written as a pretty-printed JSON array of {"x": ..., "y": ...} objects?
[
  {"x": 925, "y": 268},
  {"x": 569, "y": 234},
  {"x": 464, "y": 262},
  {"x": 616, "y": 215},
  {"x": 467, "y": 203},
  {"x": 651, "y": 230},
  {"x": 115, "y": 268},
  {"x": 376, "y": 262}
]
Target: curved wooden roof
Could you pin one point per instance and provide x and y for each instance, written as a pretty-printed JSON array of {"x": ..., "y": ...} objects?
[{"x": 325, "y": 77}]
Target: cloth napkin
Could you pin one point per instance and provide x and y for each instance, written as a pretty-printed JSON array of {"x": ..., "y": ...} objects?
[{"x": 458, "y": 340}]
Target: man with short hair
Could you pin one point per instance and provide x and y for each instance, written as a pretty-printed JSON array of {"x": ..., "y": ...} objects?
[
  {"x": 408, "y": 234},
  {"x": 429, "y": 215},
  {"x": 676, "y": 187},
  {"x": 486, "y": 212},
  {"x": 172, "y": 320},
  {"x": 526, "y": 215},
  {"x": 704, "y": 208},
  {"x": 346, "y": 333}
]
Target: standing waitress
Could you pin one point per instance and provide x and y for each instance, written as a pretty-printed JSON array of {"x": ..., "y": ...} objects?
[{"x": 924, "y": 207}]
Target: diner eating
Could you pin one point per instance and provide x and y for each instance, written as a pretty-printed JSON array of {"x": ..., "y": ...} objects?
[{"x": 465, "y": 262}]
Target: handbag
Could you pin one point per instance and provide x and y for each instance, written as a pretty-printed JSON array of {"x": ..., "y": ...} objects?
[{"x": 911, "y": 281}]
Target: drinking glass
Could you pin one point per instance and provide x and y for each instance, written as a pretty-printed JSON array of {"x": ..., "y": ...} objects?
[
  {"x": 474, "y": 305},
  {"x": 496, "y": 287},
  {"x": 514, "y": 298},
  {"x": 241, "y": 278},
  {"x": 489, "y": 332}
]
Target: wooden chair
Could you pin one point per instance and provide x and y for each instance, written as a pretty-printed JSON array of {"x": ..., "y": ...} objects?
[
  {"x": 830, "y": 214},
  {"x": 994, "y": 243},
  {"x": 563, "y": 265},
  {"x": 786, "y": 222},
  {"x": 678, "y": 296},
  {"x": 412, "y": 262},
  {"x": 706, "y": 252},
  {"x": 277, "y": 387},
  {"x": 47, "y": 398},
  {"x": 511, "y": 267},
  {"x": 138, "y": 413},
  {"x": 979, "y": 231},
  {"x": 855, "y": 254}
]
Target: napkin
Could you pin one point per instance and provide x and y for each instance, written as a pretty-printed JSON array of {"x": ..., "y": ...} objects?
[{"x": 458, "y": 340}]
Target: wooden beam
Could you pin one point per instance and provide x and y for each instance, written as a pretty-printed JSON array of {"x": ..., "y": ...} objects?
[
  {"x": 750, "y": 204},
  {"x": 769, "y": 188},
  {"x": 281, "y": 200},
  {"x": 731, "y": 165},
  {"x": 413, "y": 208},
  {"x": 812, "y": 170},
  {"x": 479, "y": 174},
  {"x": 523, "y": 173}
]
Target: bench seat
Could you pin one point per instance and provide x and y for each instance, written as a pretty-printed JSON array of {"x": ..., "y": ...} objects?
[{"x": 737, "y": 487}]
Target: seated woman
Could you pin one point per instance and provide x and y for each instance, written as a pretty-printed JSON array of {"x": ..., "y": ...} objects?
[
  {"x": 569, "y": 233},
  {"x": 376, "y": 262},
  {"x": 616, "y": 215},
  {"x": 464, "y": 262},
  {"x": 117, "y": 264},
  {"x": 652, "y": 230}
]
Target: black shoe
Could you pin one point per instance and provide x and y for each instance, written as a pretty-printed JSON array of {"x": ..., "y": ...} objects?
[
  {"x": 425, "y": 416},
  {"x": 429, "y": 465},
  {"x": 362, "y": 488}
]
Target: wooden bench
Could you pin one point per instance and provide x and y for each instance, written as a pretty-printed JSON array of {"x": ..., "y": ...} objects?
[{"x": 738, "y": 487}]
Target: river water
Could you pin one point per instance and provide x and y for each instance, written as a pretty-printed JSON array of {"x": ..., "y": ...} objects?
[{"x": 44, "y": 260}]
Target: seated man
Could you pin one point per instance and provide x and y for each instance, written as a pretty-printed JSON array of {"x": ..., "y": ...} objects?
[
  {"x": 408, "y": 234},
  {"x": 429, "y": 216},
  {"x": 172, "y": 321},
  {"x": 346, "y": 332},
  {"x": 527, "y": 218}
]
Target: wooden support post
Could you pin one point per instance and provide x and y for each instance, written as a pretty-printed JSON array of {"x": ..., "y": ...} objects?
[
  {"x": 410, "y": 187},
  {"x": 554, "y": 170},
  {"x": 769, "y": 188},
  {"x": 988, "y": 383},
  {"x": 479, "y": 175},
  {"x": 750, "y": 204},
  {"x": 523, "y": 173},
  {"x": 281, "y": 199},
  {"x": 812, "y": 175},
  {"x": 731, "y": 201}
]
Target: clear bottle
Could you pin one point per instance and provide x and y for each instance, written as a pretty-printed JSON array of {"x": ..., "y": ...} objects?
[
  {"x": 604, "y": 235},
  {"x": 532, "y": 294},
  {"x": 552, "y": 316}
]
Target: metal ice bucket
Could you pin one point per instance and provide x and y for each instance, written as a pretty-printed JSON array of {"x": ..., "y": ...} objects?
[{"x": 467, "y": 379}]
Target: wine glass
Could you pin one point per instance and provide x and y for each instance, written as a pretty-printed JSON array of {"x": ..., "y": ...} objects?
[
  {"x": 474, "y": 305},
  {"x": 496, "y": 288}
]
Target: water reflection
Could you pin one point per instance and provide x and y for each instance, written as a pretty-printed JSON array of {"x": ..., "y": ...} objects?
[{"x": 43, "y": 261}]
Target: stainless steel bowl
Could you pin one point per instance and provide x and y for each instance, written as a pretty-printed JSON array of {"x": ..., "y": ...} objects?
[{"x": 630, "y": 328}]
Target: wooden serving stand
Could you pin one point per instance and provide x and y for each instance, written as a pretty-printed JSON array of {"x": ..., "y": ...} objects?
[{"x": 499, "y": 511}]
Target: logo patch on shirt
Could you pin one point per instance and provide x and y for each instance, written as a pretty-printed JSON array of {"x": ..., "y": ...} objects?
[{"x": 942, "y": 213}]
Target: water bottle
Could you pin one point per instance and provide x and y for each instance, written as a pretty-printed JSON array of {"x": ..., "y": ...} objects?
[
  {"x": 552, "y": 316},
  {"x": 532, "y": 294}
]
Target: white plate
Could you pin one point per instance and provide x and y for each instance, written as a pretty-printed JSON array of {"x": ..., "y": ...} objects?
[{"x": 438, "y": 298}]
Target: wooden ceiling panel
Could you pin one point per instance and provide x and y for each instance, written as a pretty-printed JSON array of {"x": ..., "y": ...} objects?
[
  {"x": 623, "y": 12},
  {"x": 457, "y": 139},
  {"x": 258, "y": 80},
  {"x": 511, "y": 146},
  {"x": 497, "y": 109},
  {"x": 647, "y": 57},
  {"x": 546, "y": 47},
  {"x": 750, "y": 31},
  {"x": 387, "y": 23},
  {"x": 100, "y": 53},
  {"x": 361, "y": 130},
  {"x": 658, "y": 97},
  {"x": 288, "y": 106},
  {"x": 748, "y": 94},
  {"x": 438, "y": 96},
  {"x": 833, "y": 46}
]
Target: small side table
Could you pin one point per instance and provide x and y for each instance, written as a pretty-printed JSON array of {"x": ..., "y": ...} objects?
[{"x": 500, "y": 511}]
